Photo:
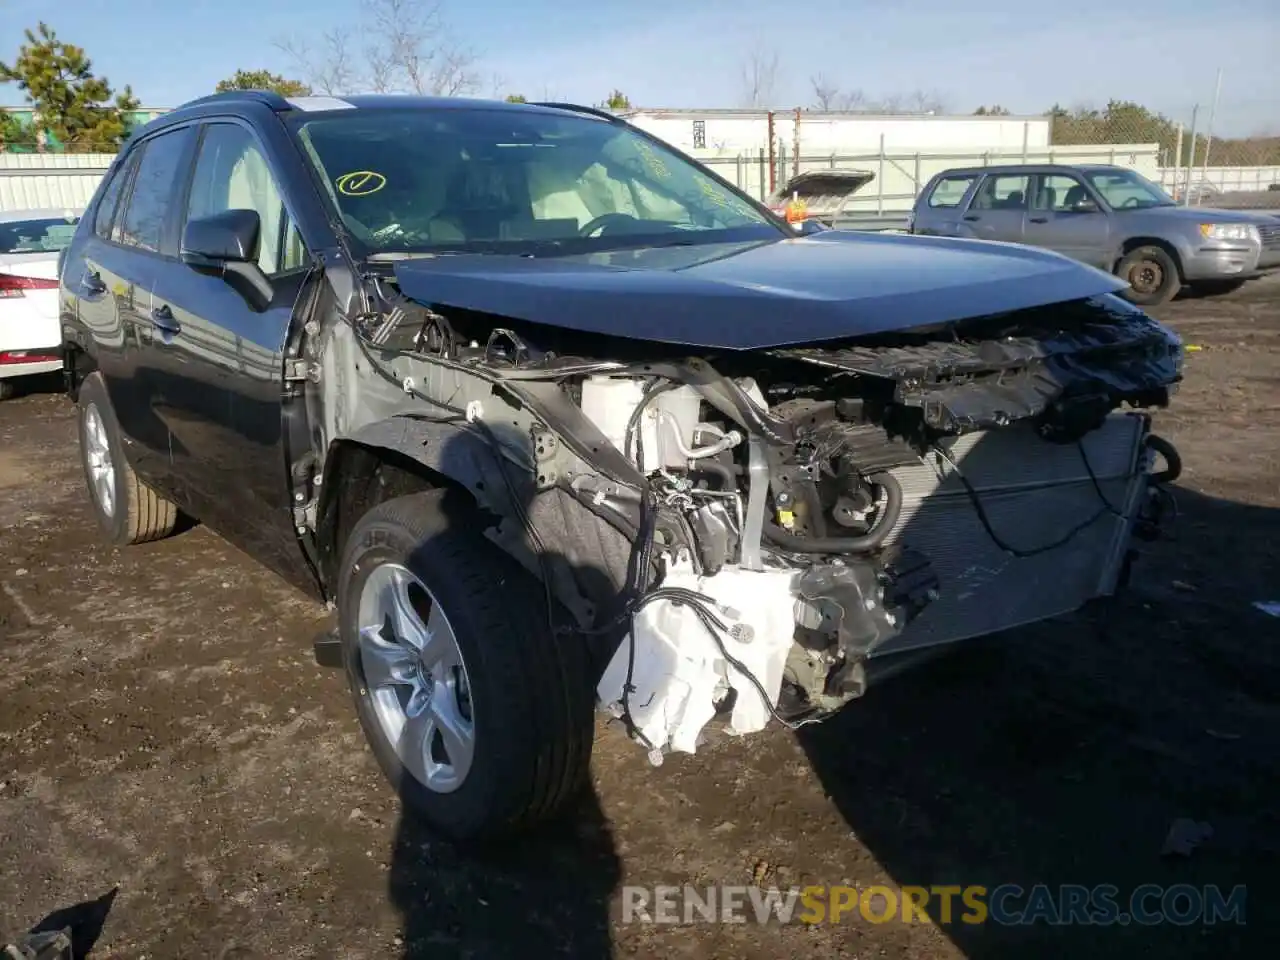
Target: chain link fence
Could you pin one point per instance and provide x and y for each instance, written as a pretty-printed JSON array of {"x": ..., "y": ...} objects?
[{"x": 1196, "y": 165}]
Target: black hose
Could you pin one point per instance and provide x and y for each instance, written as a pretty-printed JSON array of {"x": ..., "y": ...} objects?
[
  {"x": 715, "y": 467},
  {"x": 869, "y": 541},
  {"x": 1170, "y": 453}
]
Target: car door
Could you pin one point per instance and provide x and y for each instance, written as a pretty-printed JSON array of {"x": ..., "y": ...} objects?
[
  {"x": 997, "y": 208},
  {"x": 937, "y": 213},
  {"x": 1065, "y": 217},
  {"x": 132, "y": 242},
  {"x": 224, "y": 395}
]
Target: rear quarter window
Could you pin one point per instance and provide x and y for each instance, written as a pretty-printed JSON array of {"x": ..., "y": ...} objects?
[
  {"x": 105, "y": 212},
  {"x": 949, "y": 191}
]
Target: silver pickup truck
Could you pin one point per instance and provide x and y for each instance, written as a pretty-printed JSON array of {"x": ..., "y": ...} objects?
[{"x": 1108, "y": 217}]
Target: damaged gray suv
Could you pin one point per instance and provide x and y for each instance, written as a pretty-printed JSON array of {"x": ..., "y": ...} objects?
[{"x": 557, "y": 419}]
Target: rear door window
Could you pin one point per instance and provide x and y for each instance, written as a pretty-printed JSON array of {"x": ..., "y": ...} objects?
[
  {"x": 45, "y": 235},
  {"x": 158, "y": 183},
  {"x": 949, "y": 192}
]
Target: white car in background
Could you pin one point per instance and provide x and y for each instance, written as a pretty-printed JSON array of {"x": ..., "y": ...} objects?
[{"x": 30, "y": 335}]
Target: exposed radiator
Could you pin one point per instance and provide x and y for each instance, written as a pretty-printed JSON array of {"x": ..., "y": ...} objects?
[{"x": 1033, "y": 493}]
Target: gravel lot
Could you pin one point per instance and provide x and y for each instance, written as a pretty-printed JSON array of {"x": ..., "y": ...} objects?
[{"x": 166, "y": 735}]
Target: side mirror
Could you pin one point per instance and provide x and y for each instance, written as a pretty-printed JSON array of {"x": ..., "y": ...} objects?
[
  {"x": 227, "y": 237},
  {"x": 1085, "y": 206},
  {"x": 226, "y": 245}
]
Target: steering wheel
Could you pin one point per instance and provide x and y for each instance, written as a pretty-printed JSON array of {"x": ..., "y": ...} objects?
[
  {"x": 602, "y": 221},
  {"x": 1130, "y": 202}
]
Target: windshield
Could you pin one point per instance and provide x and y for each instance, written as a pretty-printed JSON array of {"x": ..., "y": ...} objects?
[
  {"x": 1126, "y": 190},
  {"x": 45, "y": 235},
  {"x": 508, "y": 181}
]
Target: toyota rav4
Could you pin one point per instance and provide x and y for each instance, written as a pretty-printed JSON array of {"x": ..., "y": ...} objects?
[{"x": 556, "y": 418}]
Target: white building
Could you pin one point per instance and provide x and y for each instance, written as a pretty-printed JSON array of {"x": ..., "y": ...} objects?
[{"x": 747, "y": 131}]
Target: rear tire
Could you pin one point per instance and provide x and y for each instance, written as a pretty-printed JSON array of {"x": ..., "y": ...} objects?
[
  {"x": 128, "y": 510},
  {"x": 1152, "y": 275},
  {"x": 520, "y": 740},
  {"x": 7, "y": 389}
]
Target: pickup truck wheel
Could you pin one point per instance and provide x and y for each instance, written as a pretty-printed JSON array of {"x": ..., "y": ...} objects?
[
  {"x": 6, "y": 389},
  {"x": 128, "y": 510},
  {"x": 479, "y": 716},
  {"x": 1151, "y": 274}
]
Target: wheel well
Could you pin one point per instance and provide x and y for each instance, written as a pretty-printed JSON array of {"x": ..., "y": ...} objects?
[
  {"x": 1133, "y": 243},
  {"x": 76, "y": 365},
  {"x": 358, "y": 477}
]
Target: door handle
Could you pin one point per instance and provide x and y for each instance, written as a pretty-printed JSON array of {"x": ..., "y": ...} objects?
[
  {"x": 1039, "y": 219},
  {"x": 164, "y": 320},
  {"x": 93, "y": 284},
  {"x": 972, "y": 216}
]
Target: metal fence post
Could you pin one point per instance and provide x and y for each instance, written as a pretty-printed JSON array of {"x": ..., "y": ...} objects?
[
  {"x": 916, "y": 175},
  {"x": 1026, "y": 138},
  {"x": 737, "y": 171},
  {"x": 1177, "y": 158},
  {"x": 1191, "y": 159},
  {"x": 763, "y": 194},
  {"x": 880, "y": 180}
]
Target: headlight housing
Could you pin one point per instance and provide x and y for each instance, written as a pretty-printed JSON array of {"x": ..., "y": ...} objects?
[{"x": 1229, "y": 231}]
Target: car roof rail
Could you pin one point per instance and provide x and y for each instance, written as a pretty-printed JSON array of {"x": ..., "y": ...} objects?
[
  {"x": 579, "y": 108},
  {"x": 268, "y": 98}
]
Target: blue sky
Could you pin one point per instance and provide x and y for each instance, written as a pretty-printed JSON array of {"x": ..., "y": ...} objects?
[{"x": 689, "y": 53}]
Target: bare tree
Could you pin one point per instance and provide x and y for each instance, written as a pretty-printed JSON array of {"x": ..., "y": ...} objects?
[
  {"x": 405, "y": 47},
  {"x": 825, "y": 93},
  {"x": 853, "y": 101},
  {"x": 759, "y": 76},
  {"x": 829, "y": 98},
  {"x": 925, "y": 101},
  {"x": 329, "y": 69}
]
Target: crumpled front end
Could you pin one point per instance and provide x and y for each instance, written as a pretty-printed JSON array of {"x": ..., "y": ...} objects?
[{"x": 748, "y": 532}]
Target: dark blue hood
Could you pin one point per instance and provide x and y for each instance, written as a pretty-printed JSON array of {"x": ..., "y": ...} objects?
[{"x": 746, "y": 296}]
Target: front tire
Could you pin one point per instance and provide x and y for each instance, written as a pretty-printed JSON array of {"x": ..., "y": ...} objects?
[
  {"x": 1152, "y": 275},
  {"x": 477, "y": 713},
  {"x": 7, "y": 389},
  {"x": 128, "y": 510}
]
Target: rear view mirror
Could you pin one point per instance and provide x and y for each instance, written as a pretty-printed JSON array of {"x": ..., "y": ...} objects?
[{"x": 227, "y": 237}]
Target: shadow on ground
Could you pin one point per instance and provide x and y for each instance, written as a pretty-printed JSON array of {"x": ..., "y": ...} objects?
[{"x": 1062, "y": 753}]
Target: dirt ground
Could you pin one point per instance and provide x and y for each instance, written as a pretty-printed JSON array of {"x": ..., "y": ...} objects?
[{"x": 172, "y": 759}]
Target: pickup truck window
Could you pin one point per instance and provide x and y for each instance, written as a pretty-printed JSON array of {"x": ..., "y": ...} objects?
[
  {"x": 142, "y": 225},
  {"x": 950, "y": 191},
  {"x": 1002, "y": 192},
  {"x": 1126, "y": 190},
  {"x": 500, "y": 180},
  {"x": 232, "y": 174}
]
